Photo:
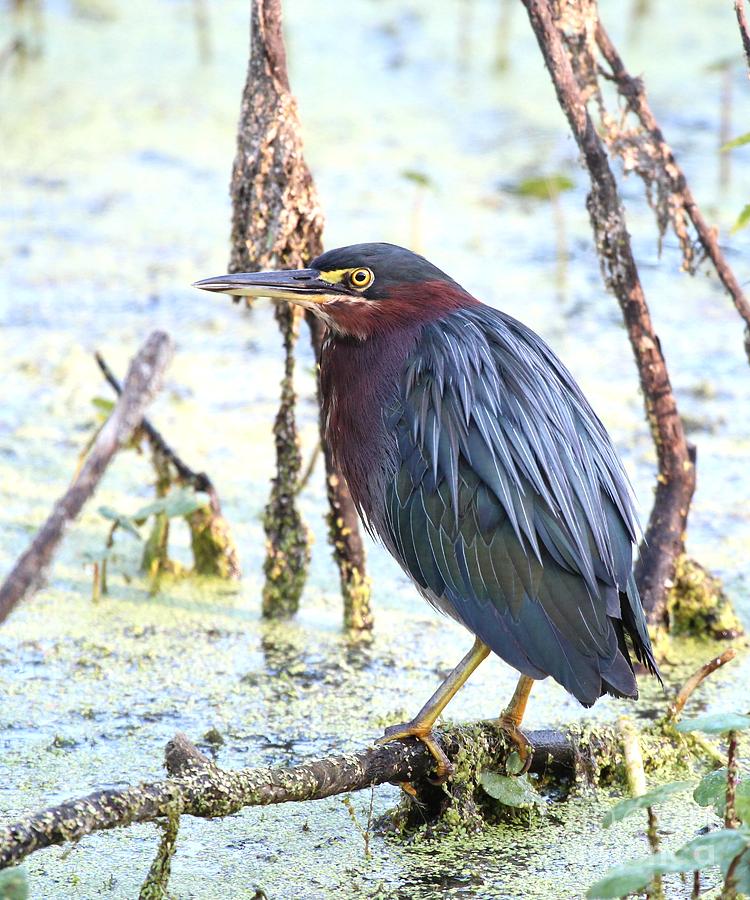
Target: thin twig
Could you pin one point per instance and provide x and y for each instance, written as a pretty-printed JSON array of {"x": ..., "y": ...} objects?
[
  {"x": 731, "y": 819},
  {"x": 199, "y": 481},
  {"x": 729, "y": 890},
  {"x": 675, "y": 709},
  {"x": 141, "y": 384},
  {"x": 309, "y": 469},
  {"x": 656, "y": 888},
  {"x": 739, "y": 8}
]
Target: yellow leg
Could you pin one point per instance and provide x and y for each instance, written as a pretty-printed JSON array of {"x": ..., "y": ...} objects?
[
  {"x": 512, "y": 716},
  {"x": 421, "y": 725}
]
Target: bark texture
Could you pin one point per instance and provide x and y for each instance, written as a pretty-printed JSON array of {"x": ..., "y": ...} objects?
[
  {"x": 277, "y": 222},
  {"x": 197, "y": 787},
  {"x": 141, "y": 385},
  {"x": 563, "y": 31}
]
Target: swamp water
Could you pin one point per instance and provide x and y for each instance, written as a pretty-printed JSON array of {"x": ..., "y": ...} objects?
[{"x": 117, "y": 144}]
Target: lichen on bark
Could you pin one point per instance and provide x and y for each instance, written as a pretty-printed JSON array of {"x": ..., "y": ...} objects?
[
  {"x": 214, "y": 550},
  {"x": 698, "y": 605},
  {"x": 277, "y": 222},
  {"x": 287, "y": 543}
]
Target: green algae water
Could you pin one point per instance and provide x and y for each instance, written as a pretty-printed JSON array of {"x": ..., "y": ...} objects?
[{"x": 117, "y": 143}]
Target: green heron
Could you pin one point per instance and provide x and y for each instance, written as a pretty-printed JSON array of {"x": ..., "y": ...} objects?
[{"x": 473, "y": 455}]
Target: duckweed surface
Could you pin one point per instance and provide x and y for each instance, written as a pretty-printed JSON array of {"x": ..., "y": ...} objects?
[{"x": 117, "y": 146}]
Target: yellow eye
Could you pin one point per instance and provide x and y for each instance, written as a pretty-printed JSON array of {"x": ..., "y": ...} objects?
[{"x": 361, "y": 278}]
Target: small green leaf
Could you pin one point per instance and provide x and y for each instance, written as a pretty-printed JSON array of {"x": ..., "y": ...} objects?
[
  {"x": 182, "y": 503},
  {"x": 742, "y": 219},
  {"x": 718, "y": 723},
  {"x": 736, "y": 142},
  {"x": 510, "y": 791},
  {"x": 543, "y": 187},
  {"x": 635, "y": 875},
  {"x": 627, "y": 807},
  {"x": 109, "y": 513},
  {"x": 102, "y": 405},
  {"x": 177, "y": 503},
  {"x": 514, "y": 763},
  {"x": 124, "y": 522},
  {"x": 13, "y": 885},
  {"x": 712, "y": 791},
  {"x": 711, "y": 787},
  {"x": 717, "y": 848},
  {"x": 417, "y": 177}
]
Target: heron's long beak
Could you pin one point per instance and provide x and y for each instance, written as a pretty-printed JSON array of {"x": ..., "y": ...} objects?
[{"x": 299, "y": 285}]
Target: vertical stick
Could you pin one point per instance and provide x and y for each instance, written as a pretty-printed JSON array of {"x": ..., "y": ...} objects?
[
  {"x": 287, "y": 547},
  {"x": 664, "y": 540},
  {"x": 739, "y": 8},
  {"x": 277, "y": 222},
  {"x": 730, "y": 813}
]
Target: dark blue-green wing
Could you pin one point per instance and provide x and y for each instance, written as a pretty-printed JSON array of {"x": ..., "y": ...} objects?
[{"x": 510, "y": 508}]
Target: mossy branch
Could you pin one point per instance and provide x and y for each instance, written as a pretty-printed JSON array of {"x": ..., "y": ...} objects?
[
  {"x": 562, "y": 38},
  {"x": 277, "y": 221},
  {"x": 198, "y": 787}
]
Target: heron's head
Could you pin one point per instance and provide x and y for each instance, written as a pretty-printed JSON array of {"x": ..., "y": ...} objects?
[{"x": 358, "y": 291}]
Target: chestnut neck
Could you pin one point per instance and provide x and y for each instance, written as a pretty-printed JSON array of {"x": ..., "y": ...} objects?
[{"x": 409, "y": 305}]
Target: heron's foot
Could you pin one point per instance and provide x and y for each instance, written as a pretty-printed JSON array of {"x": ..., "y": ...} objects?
[
  {"x": 443, "y": 766},
  {"x": 519, "y": 740}
]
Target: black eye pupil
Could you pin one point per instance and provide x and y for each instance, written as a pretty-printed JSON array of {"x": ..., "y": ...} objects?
[{"x": 360, "y": 277}]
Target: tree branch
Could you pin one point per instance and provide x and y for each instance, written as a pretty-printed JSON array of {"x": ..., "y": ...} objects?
[
  {"x": 664, "y": 539},
  {"x": 633, "y": 91},
  {"x": 675, "y": 710},
  {"x": 198, "y": 787},
  {"x": 199, "y": 481},
  {"x": 277, "y": 221},
  {"x": 141, "y": 384}
]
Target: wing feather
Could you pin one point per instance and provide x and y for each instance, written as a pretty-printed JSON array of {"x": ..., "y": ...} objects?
[{"x": 510, "y": 508}]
